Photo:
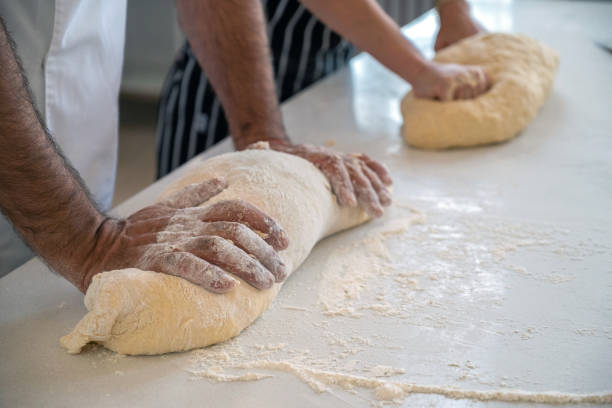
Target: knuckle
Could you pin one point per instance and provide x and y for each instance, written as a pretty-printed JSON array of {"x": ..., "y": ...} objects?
[
  {"x": 208, "y": 242},
  {"x": 328, "y": 161},
  {"x": 215, "y": 242},
  {"x": 172, "y": 258},
  {"x": 235, "y": 229},
  {"x": 240, "y": 230},
  {"x": 223, "y": 203},
  {"x": 238, "y": 202}
]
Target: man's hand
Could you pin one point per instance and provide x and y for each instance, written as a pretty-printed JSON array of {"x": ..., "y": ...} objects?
[
  {"x": 355, "y": 178},
  {"x": 50, "y": 207},
  {"x": 447, "y": 82},
  {"x": 456, "y": 23},
  {"x": 201, "y": 245}
]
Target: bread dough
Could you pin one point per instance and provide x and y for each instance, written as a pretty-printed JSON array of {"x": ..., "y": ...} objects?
[
  {"x": 142, "y": 312},
  {"x": 522, "y": 71}
]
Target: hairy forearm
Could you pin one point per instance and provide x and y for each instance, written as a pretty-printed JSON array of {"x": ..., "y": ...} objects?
[
  {"x": 366, "y": 25},
  {"x": 230, "y": 43},
  {"x": 39, "y": 192}
]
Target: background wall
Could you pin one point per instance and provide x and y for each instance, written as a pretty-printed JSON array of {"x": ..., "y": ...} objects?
[{"x": 152, "y": 38}]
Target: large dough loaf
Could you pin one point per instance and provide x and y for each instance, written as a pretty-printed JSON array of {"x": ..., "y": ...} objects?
[
  {"x": 141, "y": 312},
  {"x": 522, "y": 71}
]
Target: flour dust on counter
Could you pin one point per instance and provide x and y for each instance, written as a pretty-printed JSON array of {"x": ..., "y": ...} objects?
[
  {"x": 385, "y": 390},
  {"x": 432, "y": 271}
]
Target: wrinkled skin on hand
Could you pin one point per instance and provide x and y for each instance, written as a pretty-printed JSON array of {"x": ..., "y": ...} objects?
[
  {"x": 447, "y": 82},
  {"x": 202, "y": 245},
  {"x": 355, "y": 178}
]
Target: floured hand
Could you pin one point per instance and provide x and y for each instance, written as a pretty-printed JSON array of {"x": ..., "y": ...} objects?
[
  {"x": 356, "y": 179},
  {"x": 202, "y": 245}
]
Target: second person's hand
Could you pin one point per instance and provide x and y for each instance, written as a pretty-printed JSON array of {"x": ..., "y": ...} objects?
[{"x": 446, "y": 82}]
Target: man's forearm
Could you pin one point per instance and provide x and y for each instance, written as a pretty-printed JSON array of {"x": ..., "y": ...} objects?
[
  {"x": 39, "y": 192},
  {"x": 230, "y": 42},
  {"x": 365, "y": 24}
]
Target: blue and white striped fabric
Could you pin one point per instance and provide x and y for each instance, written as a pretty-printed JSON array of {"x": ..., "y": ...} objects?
[{"x": 304, "y": 50}]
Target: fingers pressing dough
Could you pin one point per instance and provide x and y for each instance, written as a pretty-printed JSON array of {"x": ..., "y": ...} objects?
[{"x": 132, "y": 311}]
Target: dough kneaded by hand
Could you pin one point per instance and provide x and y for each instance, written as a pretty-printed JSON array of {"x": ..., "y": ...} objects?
[
  {"x": 522, "y": 72},
  {"x": 142, "y": 312}
]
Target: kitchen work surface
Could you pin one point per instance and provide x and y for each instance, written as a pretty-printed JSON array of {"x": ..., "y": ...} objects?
[{"x": 489, "y": 280}]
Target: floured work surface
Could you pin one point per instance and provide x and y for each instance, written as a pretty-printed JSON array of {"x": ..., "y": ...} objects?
[
  {"x": 537, "y": 320},
  {"x": 424, "y": 273},
  {"x": 437, "y": 301}
]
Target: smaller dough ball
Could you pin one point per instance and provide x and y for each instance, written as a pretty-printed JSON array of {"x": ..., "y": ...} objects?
[{"x": 522, "y": 71}]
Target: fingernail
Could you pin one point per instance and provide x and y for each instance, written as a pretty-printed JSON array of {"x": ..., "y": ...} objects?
[
  {"x": 222, "y": 285},
  {"x": 284, "y": 239},
  {"x": 385, "y": 198},
  {"x": 281, "y": 272},
  {"x": 219, "y": 182},
  {"x": 350, "y": 199},
  {"x": 281, "y": 241},
  {"x": 265, "y": 282},
  {"x": 375, "y": 212}
]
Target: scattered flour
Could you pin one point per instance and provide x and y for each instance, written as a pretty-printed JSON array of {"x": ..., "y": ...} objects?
[
  {"x": 216, "y": 373},
  {"x": 386, "y": 371},
  {"x": 353, "y": 269},
  {"x": 296, "y": 308},
  {"x": 384, "y": 309},
  {"x": 321, "y": 381},
  {"x": 437, "y": 276}
]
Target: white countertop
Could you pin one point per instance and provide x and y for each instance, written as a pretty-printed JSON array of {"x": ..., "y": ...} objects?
[{"x": 510, "y": 272}]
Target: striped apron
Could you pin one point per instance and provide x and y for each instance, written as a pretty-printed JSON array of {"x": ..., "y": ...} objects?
[{"x": 304, "y": 50}]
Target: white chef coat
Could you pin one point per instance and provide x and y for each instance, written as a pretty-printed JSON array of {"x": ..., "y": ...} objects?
[{"x": 72, "y": 53}]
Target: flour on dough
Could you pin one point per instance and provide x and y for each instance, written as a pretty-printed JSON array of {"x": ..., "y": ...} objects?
[
  {"x": 142, "y": 312},
  {"x": 522, "y": 71}
]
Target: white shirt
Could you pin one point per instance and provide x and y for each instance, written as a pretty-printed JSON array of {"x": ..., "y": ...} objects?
[{"x": 72, "y": 52}]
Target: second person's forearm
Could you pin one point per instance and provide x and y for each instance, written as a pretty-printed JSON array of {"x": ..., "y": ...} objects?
[
  {"x": 230, "y": 43},
  {"x": 365, "y": 24}
]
